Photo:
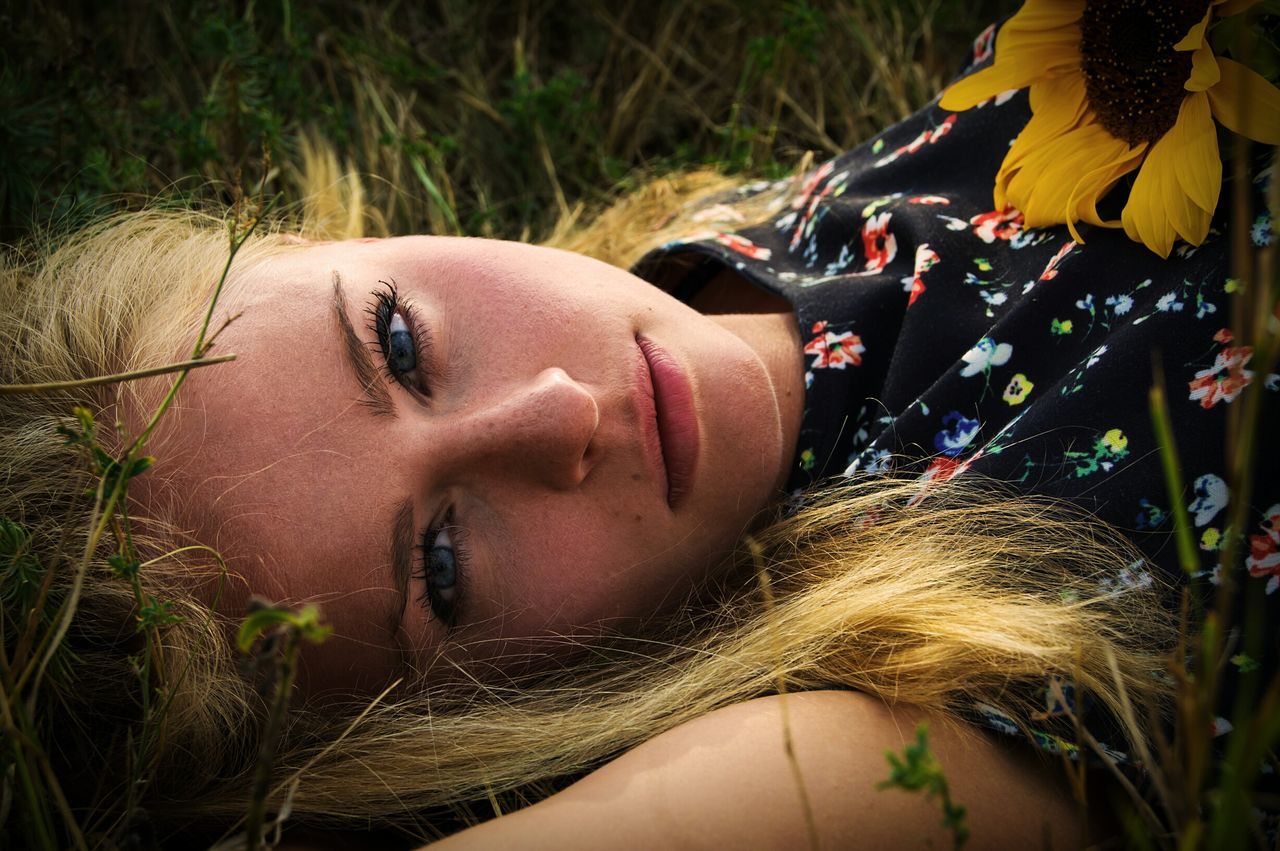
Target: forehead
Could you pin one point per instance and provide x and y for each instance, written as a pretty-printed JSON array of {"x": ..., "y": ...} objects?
[{"x": 256, "y": 457}]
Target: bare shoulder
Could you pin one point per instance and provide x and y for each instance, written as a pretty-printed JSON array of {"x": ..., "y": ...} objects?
[{"x": 726, "y": 780}]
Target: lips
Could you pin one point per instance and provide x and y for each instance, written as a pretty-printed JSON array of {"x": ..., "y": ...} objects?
[{"x": 677, "y": 420}]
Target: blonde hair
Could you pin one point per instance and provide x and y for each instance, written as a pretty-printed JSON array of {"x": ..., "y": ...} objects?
[{"x": 969, "y": 595}]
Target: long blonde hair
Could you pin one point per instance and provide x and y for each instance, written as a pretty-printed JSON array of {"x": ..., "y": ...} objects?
[{"x": 973, "y": 595}]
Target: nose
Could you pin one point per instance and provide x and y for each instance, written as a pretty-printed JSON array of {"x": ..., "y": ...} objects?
[{"x": 540, "y": 429}]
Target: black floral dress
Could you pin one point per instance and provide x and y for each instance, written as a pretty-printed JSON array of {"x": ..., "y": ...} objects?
[{"x": 944, "y": 336}]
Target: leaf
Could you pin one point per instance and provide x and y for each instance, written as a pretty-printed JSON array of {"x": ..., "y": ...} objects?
[
  {"x": 263, "y": 617},
  {"x": 155, "y": 614},
  {"x": 141, "y": 465},
  {"x": 916, "y": 770},
  {"x": 123, "y": 567},
  {"x": 1245, "y": 663},
  {"x": 13, "y": 538}
]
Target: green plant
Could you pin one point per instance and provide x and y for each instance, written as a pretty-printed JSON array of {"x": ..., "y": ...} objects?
[{"x": 918, "y": 770}]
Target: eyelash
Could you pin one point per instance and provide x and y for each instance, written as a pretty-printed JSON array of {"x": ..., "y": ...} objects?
[{"x": 383, "y": 308}]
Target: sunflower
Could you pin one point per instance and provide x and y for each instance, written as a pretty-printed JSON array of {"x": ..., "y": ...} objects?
[{"x": 1118, "y": 85}]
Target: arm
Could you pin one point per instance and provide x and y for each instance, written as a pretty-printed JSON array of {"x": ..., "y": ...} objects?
[{"x": 724, "y": 780}]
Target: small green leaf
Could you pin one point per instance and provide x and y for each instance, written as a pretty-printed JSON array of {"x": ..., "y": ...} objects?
[
  {"x": 123, "y": 568},
  {"x": 155, "y": 614},
  {"x": 1245, "y": 663},
  {"x": 141, "y": 465},
  {"x": 918, "y": 770},
  {"x": 13, "y": 538},
  {"x": 263, "y": 617},
  {"x": 85, "y": 416}
]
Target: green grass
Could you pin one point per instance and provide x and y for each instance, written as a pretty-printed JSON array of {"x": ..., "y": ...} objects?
[{"x": 484, "y": 118}]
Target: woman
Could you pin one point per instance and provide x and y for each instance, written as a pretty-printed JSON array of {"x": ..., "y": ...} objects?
[{"x": 517, "y": 481}]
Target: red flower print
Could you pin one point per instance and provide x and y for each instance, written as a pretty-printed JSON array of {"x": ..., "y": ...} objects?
[
  {"x": 835, "y": 351},
  {"x": 1264, "y": 550},
  {"x": 880, "y": 245},
  {"x": 1224, "y": 335},
  {"x": 926, "y": 137},
  {"x": 926, "y": 257},
  {"x": 997, "y": 224},
  {"x": 928, "y": 199},
  {"x": 1051, "y": 271},
  {"x": 1223, "y": 381},
  {"x": 810, "y": 198},
  {"x": 983, "y": 44},
  {"x": 744, "y": 246},
  {"x": 811, "y": 183},
  {"x": 942, "y": 469}
]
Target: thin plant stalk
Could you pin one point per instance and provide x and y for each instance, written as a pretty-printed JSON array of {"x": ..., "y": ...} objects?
[{"x": 117, "y": 378}]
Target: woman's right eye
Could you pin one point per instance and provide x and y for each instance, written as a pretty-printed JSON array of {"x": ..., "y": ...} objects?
[
  {"x": 402, "y": 356},
  {"x": 402, "y": 341}
]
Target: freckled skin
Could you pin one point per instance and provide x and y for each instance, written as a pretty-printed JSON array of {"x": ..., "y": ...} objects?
[{"x": 531, "y": 438}]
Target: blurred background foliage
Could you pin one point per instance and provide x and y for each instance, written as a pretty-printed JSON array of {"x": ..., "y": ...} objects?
[{"x": 484, "y": 117}]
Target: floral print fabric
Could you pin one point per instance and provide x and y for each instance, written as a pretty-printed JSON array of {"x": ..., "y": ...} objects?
[{"x": 942, "y": 336}]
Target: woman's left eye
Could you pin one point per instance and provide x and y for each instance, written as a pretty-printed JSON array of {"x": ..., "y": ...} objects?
[{"x": 442, "y": 566}]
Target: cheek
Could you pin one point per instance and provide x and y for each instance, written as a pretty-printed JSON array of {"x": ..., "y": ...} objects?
[{"x": 596, "y": 563}]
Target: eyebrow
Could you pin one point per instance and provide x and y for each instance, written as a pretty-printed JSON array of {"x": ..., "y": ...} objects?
[
  {"x": 377, "y": 397},
  {"x": 401, "y": 559}
]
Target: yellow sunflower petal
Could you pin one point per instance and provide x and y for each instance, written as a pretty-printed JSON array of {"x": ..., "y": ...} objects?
[
  {"x": 1043, "y": 55},
  {"x": 1158, "y": 210},
  {"x": 1198, "y": 166},
  {"x": 988, "y": 82},
  {"x": 1195, "y": 36},
  {"x": 1041, "y": 39},
  {"x": 1047, "y": 49},
  {"x": 1082, "y": 205},
  {"x": 1057, "y": 106},
  {"x": 1043, "y": 186},
  {"x": 1204, "y": 70},
  {"x": 1188, "y": 220},
  {"x": 1245, "y": 102}
]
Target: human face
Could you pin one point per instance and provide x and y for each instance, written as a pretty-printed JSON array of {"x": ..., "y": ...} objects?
[{"x": 526, "y": 443}]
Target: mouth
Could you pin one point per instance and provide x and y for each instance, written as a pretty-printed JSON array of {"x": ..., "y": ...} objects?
[{"x": 676, "y": 420}]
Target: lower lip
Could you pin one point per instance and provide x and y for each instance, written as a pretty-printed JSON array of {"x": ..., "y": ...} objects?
[{"x": 677, "y": 420}]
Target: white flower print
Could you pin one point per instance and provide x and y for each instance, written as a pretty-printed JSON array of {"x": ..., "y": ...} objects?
[
  {"x": 985, "y": 354},
  {"x": 1212, "y": 495},
  {"x": 1120, "y": 304}
]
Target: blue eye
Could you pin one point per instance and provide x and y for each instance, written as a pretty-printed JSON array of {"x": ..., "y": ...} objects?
[
  {"x": 440, "y": 565},
  {"x": 402, "y": 356},
  {"x": 400, "y": 338}
]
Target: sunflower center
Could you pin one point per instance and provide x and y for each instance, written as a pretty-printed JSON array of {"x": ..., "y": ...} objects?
[{"x": 1133, "y": 77}]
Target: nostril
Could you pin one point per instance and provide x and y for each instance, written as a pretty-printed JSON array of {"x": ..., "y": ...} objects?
[{"x": 571, "y": 418}]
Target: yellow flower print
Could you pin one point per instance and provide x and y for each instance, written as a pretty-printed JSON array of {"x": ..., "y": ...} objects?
[
  {"x": 1114, "y": 441},
  {"x": 1018, "y": 390}
]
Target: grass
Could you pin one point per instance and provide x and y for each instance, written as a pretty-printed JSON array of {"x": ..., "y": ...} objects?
[{"x": 487, "y": 119}]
